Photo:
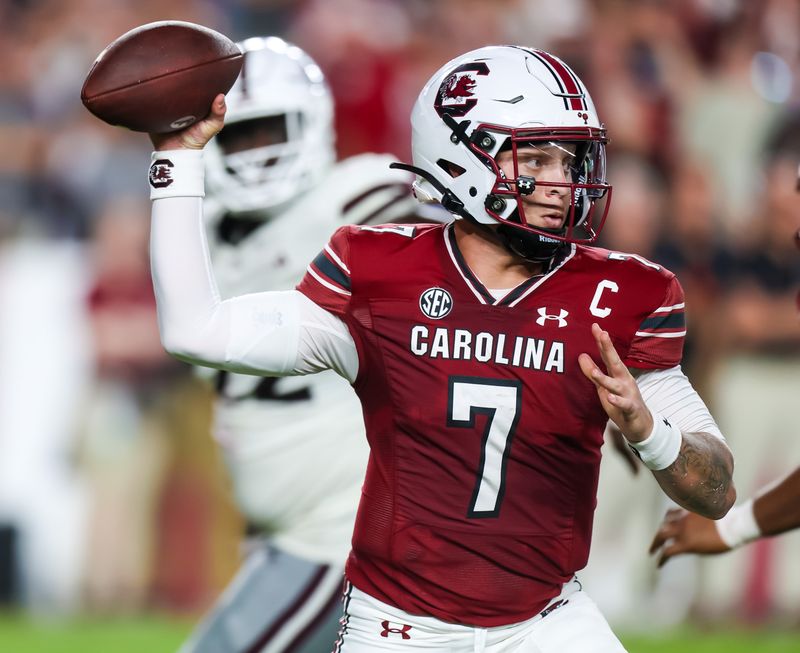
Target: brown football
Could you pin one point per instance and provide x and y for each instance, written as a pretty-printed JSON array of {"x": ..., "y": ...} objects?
[{"x": 161, "y": 77}]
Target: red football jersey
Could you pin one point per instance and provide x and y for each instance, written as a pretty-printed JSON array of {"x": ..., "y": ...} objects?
[{"x": 485, "y": 435}]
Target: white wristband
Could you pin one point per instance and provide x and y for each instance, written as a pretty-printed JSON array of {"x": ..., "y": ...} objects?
[
  {"x": 739, "y": 525},
  {"x": 176, "y": 173},
  {"x": 660, "y": 449}
]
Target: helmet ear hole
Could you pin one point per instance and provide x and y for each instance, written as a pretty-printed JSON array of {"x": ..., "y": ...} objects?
[
  {"x": 495, "y": 203},
  {"x": 452, "y": 169},
  {"x": 483, "y": 139}
]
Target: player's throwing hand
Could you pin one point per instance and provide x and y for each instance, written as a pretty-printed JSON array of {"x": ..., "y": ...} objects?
[
  {"x": 197, "y": 135},
  {"x": 617, "y": 390}
]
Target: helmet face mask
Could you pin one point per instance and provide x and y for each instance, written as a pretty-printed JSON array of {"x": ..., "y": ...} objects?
[
  {"x": 262, "y": 153},
  {"x": 500, "y": 100},
  {"x": 278, "y": 138},
  {"x": 584, "y": 186},
  {"x": 254, "y": 133}
]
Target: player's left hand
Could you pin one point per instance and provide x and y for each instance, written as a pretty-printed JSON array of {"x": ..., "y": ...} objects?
[
  {"x": 686, "y": 532},
  {"x": 617, "y": 390}
]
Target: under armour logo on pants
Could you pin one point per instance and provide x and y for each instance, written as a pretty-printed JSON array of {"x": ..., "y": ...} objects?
[{"x": 402, "y": 630}]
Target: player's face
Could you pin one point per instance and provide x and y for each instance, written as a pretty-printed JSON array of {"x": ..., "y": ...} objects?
[{"x": 547, "y": 206}]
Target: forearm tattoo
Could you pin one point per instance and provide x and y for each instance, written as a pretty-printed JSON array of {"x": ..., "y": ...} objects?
[{"x": 700, "y": 479}]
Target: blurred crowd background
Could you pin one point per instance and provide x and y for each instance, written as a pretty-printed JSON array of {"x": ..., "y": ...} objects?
[{"x": 112, "y": 496}]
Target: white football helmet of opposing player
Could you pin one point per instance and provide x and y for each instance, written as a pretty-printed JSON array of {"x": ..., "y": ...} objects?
[
  {"x": 278, "y": 137},
  {"x": 503, "y": 97}
]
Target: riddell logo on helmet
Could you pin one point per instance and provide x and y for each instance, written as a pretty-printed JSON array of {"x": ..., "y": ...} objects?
[
  {"x": 456, "y": 95},
  {"x": 161, "y": 173}
]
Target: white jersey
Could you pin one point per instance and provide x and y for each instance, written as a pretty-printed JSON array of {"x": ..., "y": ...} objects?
[{"x": 295, "y": 447}]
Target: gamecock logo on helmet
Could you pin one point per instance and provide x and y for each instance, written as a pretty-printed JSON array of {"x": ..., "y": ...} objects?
[
  {"x": 456, "y": 95},
  {"x": 457, "y": 87}
]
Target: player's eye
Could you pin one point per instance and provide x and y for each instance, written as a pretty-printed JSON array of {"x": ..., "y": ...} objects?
[{"x": 532, "y": 161}]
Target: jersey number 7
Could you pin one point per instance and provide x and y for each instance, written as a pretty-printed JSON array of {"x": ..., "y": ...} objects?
[{"x": 501, "y": 402}]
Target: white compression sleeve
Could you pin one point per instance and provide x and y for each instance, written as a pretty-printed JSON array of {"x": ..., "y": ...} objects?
[
  {"x": 276, "y": 333},
  {"x": 670, "y": 393},
  {"x": 739, "y": 526}
]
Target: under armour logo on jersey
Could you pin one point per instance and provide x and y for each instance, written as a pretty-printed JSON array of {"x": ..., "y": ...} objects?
[
  {"x": 435, "y": 303},
  {"x": 544, "y": 316},
  {"x": 402, "y": 630},
  {"x": 160, "y": 173}
]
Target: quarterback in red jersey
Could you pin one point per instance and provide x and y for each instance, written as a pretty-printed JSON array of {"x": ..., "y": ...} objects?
[
  {"x": 470, "y": 347},
  {"x": 490, "y": 390}
]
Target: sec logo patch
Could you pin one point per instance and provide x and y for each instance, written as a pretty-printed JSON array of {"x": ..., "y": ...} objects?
[{"x": 435, "y": 303}]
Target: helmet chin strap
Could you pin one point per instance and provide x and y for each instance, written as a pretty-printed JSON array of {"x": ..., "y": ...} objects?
[
  {"x": 449, "y": 199},
  {"x": 530, "y": 246}
]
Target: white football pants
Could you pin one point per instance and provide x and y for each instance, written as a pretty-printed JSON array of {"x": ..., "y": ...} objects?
[{"x": 571, "y": 623}]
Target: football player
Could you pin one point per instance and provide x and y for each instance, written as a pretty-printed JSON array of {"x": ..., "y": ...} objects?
[
  {"x": 467, "y": 344},
  {"x": 295, "y": 448}
]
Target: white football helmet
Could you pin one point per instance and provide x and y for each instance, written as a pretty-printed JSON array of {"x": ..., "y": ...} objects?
[
  {"x": 278, "y": 137},
  {"x": 501, "y": 97}
]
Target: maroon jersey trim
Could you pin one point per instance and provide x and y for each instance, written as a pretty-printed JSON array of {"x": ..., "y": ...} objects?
[
  {"x": 514, "y": 296},
  {"x": 658, "y": 340},
  {"x": 477, "y": 288},
  {"x": 664, "y": 322},
  {"x": 329, "y": 270}
]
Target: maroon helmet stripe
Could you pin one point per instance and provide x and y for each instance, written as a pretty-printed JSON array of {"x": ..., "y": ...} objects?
[
  {"x": 567, "y": 80},
  {"x": 536, "y": 53}
]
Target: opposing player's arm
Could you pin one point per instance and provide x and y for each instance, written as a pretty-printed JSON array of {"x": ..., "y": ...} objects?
[
  {"x": 774, "y": 510},
  {"x": 672, "y": 434},
  {"x": 272, "y": 333}
]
